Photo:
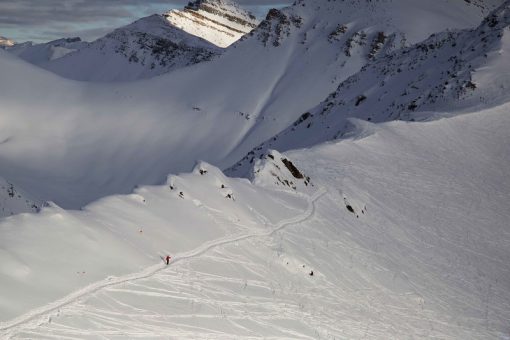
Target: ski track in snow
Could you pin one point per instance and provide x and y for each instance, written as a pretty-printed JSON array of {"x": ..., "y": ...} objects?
[{"x": 40, "y": 315}]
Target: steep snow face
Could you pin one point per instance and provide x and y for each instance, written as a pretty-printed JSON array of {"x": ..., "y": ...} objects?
[
  {"x": 143, "y": 49},
  {"x": 450, "y": 71},
  {"x": 318, "y": 44},
  {"x": 40, "y": 54},
  {"x": 222, "y": 22},
  {"x": 5, "y": 42},
  {"x": 406, "y": 236},
  {"x": 14, "y": 200}
]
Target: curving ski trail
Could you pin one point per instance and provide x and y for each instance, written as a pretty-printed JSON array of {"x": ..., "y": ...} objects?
[{"x": 39, "y": 315}]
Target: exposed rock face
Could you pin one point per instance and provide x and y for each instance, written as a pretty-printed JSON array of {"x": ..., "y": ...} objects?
[
  {"x": 221, "y": 22},
  {"x": 273, "y": 169},
  {"x": 152, "y": 41},
  {"x": 277, "y": 26}
]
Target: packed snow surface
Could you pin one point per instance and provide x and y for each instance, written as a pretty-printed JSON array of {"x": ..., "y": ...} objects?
[{"x": 404, "y": 229}]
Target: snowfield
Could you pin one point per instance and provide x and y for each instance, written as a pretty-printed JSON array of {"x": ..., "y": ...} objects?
[
  {"x": 422, "y": 251},
  {"x": 342, "y": 174}
]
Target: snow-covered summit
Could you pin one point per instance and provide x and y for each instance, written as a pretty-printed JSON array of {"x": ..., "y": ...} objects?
[
  {"x": 148, "y": 47},
  {"x": 221, "y": 22}
]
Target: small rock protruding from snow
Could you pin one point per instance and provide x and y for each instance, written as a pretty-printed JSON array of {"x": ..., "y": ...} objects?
[
  {"x": 14, "y": 201},
  {"x": 274, "y": 169}
]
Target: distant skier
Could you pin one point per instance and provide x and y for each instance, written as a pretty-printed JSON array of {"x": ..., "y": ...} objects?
[{"x": 167, "y": 259}]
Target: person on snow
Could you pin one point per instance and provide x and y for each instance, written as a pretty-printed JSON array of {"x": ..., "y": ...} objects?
[{"x": 167, "y": 259}]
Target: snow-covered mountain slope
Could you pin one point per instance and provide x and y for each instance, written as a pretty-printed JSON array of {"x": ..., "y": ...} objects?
[
  {"x": 450, "y": 71},
  {"x": 221, "y": 22},
  {"x": 6, "y": 42},
  {"x": 148, "y": 47},
  {"x": 136, "y": 133},
  {"x": 302, "y": 53},
  {"x": 185, "y": 217},
  {"x": 14, "y": 200},
  {"x": 44, "y": 52},
  {"x": 40, "y": 54},
  {"x": 143, "y": 49},
  {"x": 409, "y": 240}
]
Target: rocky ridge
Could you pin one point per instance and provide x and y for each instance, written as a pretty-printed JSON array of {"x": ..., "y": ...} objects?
[
  {"x": 452, "y": 70},
  {"x": 221, "y": 22}
]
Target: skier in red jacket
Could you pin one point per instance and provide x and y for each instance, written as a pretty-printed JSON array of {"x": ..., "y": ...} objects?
[{"x": 167, "y": 259}]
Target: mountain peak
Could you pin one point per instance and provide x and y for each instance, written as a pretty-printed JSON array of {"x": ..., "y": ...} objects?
[
  {"x": 5, "y": 42},
  {"x": 221, "y": 22}
]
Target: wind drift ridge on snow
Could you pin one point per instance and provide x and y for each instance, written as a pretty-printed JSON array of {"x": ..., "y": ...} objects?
[{"x": 50, "y": 254}]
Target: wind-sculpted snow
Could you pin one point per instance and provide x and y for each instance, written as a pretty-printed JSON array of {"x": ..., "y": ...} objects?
[{"x": 409, "y": 241}]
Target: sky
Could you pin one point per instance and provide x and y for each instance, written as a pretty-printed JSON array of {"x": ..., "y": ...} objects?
[{"x": 45, "y": 20}]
